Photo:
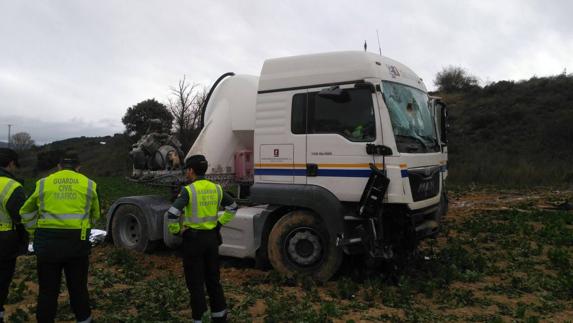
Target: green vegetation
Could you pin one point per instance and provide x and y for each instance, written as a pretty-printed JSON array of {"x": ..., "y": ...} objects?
[
  {"x": 140, "y": 117},
  {"x": 487, "y": 266},
  {"x": 454, "y": 78},
  {"x": 112, "y": 188},
  {"x": 512, "y": 133},
  {"x": 100, "y": 156}
]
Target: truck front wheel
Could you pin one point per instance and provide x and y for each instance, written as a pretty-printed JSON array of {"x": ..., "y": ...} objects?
[
  {"x": 299, "y": 243},
  {"x": 443, "y": 210},
  {"x": 129, "y": 229}
]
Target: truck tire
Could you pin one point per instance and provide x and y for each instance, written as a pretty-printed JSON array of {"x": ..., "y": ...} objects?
[
  {"x": 443, "y": 209},
  {"x": 299, "y": 243},
  {"x": 441, "y": 213},
  {"x": 129, "y": 229}
]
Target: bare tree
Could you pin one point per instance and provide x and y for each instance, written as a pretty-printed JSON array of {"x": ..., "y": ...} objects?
[
  {"x": 200, "y": 100},
  {"x": 184, "y": 105},
  {"x": 22, "y": 141}
]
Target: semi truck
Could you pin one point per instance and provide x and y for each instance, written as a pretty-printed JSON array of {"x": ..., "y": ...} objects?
[{"x": 330, "y": 154}]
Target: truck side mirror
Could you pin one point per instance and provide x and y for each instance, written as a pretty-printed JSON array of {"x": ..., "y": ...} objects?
[{"x": 443, "y": 122}]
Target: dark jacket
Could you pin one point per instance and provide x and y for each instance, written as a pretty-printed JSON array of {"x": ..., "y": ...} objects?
[{"x": 10, "y": 241}]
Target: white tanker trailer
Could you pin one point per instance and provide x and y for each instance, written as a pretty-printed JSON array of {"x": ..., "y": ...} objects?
[{"x": 335, "y": 153}]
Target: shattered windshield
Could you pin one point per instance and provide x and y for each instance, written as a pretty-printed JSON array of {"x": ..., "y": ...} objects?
[{"x": 412, "y": 122}]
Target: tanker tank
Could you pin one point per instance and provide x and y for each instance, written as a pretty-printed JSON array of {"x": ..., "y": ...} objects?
[{"x": 229, "y": 124}]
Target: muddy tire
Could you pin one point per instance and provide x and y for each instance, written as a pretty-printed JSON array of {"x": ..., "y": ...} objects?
[
  {"x": 441, "y": 213},
  {"x": 129, "y": 229},
  {"x": 443, "y": 208},
  {"x": 299, "y": 244}
]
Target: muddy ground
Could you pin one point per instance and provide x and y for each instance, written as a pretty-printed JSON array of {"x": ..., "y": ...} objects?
[{"x": 502, "y": 256}]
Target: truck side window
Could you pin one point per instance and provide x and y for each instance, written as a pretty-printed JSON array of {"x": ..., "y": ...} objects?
[
  {"x": 352, "y": 118},
  {"x": 298, "y": 116}
]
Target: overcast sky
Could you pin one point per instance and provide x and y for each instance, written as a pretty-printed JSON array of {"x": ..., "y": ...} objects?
[{"x": 72, "y": 68}]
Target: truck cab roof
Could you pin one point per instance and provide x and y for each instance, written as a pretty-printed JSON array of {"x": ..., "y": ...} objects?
[{"x": 318, "y": 70}]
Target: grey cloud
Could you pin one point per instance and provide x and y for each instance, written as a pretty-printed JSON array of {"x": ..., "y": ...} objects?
[{"x": 93, "y": 60}]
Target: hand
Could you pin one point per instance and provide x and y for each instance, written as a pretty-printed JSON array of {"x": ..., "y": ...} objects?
[{"x": 174, "y": 228}]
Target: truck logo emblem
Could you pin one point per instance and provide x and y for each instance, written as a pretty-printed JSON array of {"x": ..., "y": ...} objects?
[
  {"x": 426, "y": 187},
  {"x": 393, "y": 71},
  {"x": 276, "y": 153}
]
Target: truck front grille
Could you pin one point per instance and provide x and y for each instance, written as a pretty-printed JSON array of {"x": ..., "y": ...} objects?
[{"x": 424, "y": 182}]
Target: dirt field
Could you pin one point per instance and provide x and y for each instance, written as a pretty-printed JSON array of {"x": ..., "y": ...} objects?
[{"x": 502, "y": 257}]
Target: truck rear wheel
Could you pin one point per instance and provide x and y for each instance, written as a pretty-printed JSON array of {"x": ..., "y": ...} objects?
[
  {"x": 299, "y": 243},
  {"x": 129, "y": 229}
]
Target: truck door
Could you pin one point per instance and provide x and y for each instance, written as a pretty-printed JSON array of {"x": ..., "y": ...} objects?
[
  {"x": 280, "y": 138},
  {"x": 340, "y": 121}
]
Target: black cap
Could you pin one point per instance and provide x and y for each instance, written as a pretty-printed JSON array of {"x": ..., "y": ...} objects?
[
  {"x": 69, "y": 159},
  {"x": 7, "y": 155},
  {"x": 198, "y": 163}
]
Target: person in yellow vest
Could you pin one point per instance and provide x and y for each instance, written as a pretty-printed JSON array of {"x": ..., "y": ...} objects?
[
  {"x": 194, "y": 215},
  {"x": 13, "y": 236},
  {"x": 59, "y": 214}
]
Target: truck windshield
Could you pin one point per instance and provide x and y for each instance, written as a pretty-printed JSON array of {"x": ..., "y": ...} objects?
[{"x": 412, "y": 122}]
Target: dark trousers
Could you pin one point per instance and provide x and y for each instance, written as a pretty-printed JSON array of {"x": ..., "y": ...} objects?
[
  {"x": 49, "y": 280},
  {"x": 7, "y": 268},
  {"x": 201, "y": 265}
]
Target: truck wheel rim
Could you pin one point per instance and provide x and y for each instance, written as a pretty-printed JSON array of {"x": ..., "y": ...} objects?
[
  {"x": 130, "y": 230},
  {"x": 303, "y": 247}
]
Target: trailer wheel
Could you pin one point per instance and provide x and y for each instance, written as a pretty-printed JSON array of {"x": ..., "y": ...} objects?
[
  {"x": 129, "y": 229},
  {"x": 299, "y": 243}
]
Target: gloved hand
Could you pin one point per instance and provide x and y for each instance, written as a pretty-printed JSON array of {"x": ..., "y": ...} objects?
[{"x": 174, "y": 228}]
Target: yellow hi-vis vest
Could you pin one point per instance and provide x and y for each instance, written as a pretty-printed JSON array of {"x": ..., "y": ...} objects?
[
  {"x": 63, "y": 200},
  {"x": 7, "y": 187},
  {"x": 201, "y": 212}
]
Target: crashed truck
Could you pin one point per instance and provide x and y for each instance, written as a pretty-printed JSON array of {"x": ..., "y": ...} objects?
[{"x": 331, "y": 154}]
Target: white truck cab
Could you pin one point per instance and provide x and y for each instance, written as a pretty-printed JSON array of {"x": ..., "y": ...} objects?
[
  {"x": 303, "y": 137},
  {"x": 348, "y": 156}
]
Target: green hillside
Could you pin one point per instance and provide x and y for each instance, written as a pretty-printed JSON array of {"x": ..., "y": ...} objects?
[
  {"x": 100, "y": 156},
  {"x": 513, "y": 133}
]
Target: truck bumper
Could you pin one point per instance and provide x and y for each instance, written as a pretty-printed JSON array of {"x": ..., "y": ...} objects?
[{"x": 424, "y": 222}]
